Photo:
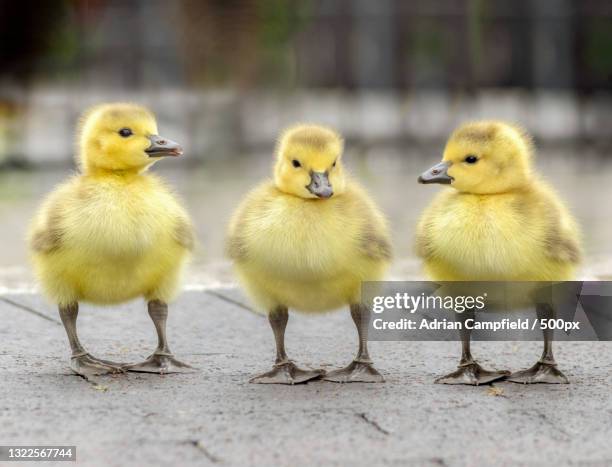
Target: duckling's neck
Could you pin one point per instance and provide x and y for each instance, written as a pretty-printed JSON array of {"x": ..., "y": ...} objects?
[
  {"x": 514, "y": 191},
  {"x": 125, "y": 175}
]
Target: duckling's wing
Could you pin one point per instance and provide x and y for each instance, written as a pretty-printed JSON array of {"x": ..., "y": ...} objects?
[
  {"x": 235, "y": 245},
  {"x": 374, "y": 241},
  {"x": 46, "y": 234},
  {"x": 421, "y": 241},
  {"x": 375, "y": 244},
  {"x": 45, "y": 240},
  {"x": 183, "y": 233},
  {"x": 235, "y": 248},
  {"x": 561, "y": 232},
  {"x": 423, "y": 235},
  {"x": 246, "y": 219},
  {"x": 47, "y": 231},
  {"x": 561, "y": 240}
]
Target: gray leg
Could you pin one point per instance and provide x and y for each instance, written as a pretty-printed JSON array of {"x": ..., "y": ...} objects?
[
  {"x": 284, "y": 370},
  {"x": 162, "y": 360},
  {"x": 360, "y": 370},
  {"x": 545, "y": 370},
  {"x": 469, "y": 371},
  {"x": 82, "y": 362}
]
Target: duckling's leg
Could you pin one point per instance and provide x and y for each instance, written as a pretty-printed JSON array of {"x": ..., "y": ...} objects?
[
  {"x": 469, "y": 371},
  {"x": 162, "y": 360},
  {"x": 284, "y": 371},
  {"x": 82, "y": 363},
  {"x": 545, "y": 370},
  {"x": 361, "y": 369}
]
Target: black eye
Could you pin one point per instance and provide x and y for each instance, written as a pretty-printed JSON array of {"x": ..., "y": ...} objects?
[
  {"x": 470, "y": 159},
  {"x": 296, "y": 163},
  {"x": 125, "y": 132},
  {"x": 334, "y": 164}
]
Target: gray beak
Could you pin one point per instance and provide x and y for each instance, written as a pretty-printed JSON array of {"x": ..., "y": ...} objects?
[
  {"x": 161, "y": 147},
  {"x": 319, "y": 185},
  {"x": 437, "y": 174}
]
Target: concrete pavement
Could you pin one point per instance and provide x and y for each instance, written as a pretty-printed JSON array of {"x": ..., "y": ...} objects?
[{"x": 214, "y": 416}]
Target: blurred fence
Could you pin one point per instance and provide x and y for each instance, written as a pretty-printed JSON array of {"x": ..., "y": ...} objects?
[
  {"x": 39, "y": 127},
  {"x": 346, "y": 44},
  {"x": 225, "y": 77}
]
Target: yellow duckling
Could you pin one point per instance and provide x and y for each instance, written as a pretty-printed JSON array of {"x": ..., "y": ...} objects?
[
  {"x": 498, "y": 221},
  {"x": 306, "y": 240},
  {"x": 114, "y": 231}
]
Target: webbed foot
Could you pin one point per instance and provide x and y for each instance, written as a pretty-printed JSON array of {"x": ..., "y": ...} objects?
[
  {"x": 161, "y": 363},
  {"x": 88, "y": 365},
  {"x": 286, "y": 373},
  {"x": 358, "y": 371},
  {"x": 540, "y": 373},
  {"x": 472, "y": 374}
]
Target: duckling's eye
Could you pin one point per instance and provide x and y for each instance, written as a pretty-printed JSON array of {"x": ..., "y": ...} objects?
[
  {"x": 334, "y": 164},
  {"x": 125, "y": 132},
  {"x": 296, "y": 163},
  {"x": 471, "y": 159}
]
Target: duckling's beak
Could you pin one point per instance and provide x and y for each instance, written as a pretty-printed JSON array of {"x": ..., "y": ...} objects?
[
  {"x": 319, "y": 185},
  {"x": 437, "y": 174},
  {"x": 161, "y": 147}
]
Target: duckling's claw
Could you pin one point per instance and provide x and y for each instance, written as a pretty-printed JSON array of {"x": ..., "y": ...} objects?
[
  {"x": 472, "y": 374},
  {"x": 160, "y": 363},
  {"x": 107, "y": 362},
  {"x": 361, "y": 369},
  {"x": 286, "y": 373},
  {"x": 541, "y": 372},
  {"x": 87, "y": 365},
  {"x": 356, "y": 372}
]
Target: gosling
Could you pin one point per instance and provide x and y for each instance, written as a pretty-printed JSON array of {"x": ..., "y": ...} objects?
[
  {"x": 306, "y": 240},
  {"x": 497, "y": 221},
  {"x": 114, "y": 232}
]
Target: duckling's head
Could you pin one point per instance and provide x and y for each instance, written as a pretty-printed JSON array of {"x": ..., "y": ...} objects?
[
  {"x": 121, "y": 137},
  {"x": 308, "y": 162},
  {"x": 484, "y": 157}
]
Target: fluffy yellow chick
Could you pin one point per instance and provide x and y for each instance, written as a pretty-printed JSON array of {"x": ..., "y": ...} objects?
[
  {"x": 306, "y": 240},
  {"x": 114, "y": 231},
  {"x": 497, "y": 221}
]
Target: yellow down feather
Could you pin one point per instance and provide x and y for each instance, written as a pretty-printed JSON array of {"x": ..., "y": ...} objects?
[
  {"x": 113, "y": 232},
  {"x": 498, "y": 220},
  {"x": 292, "y": 249}
]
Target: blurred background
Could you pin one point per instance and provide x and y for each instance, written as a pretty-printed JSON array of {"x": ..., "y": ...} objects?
[{"x": 225, "y": 76}]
